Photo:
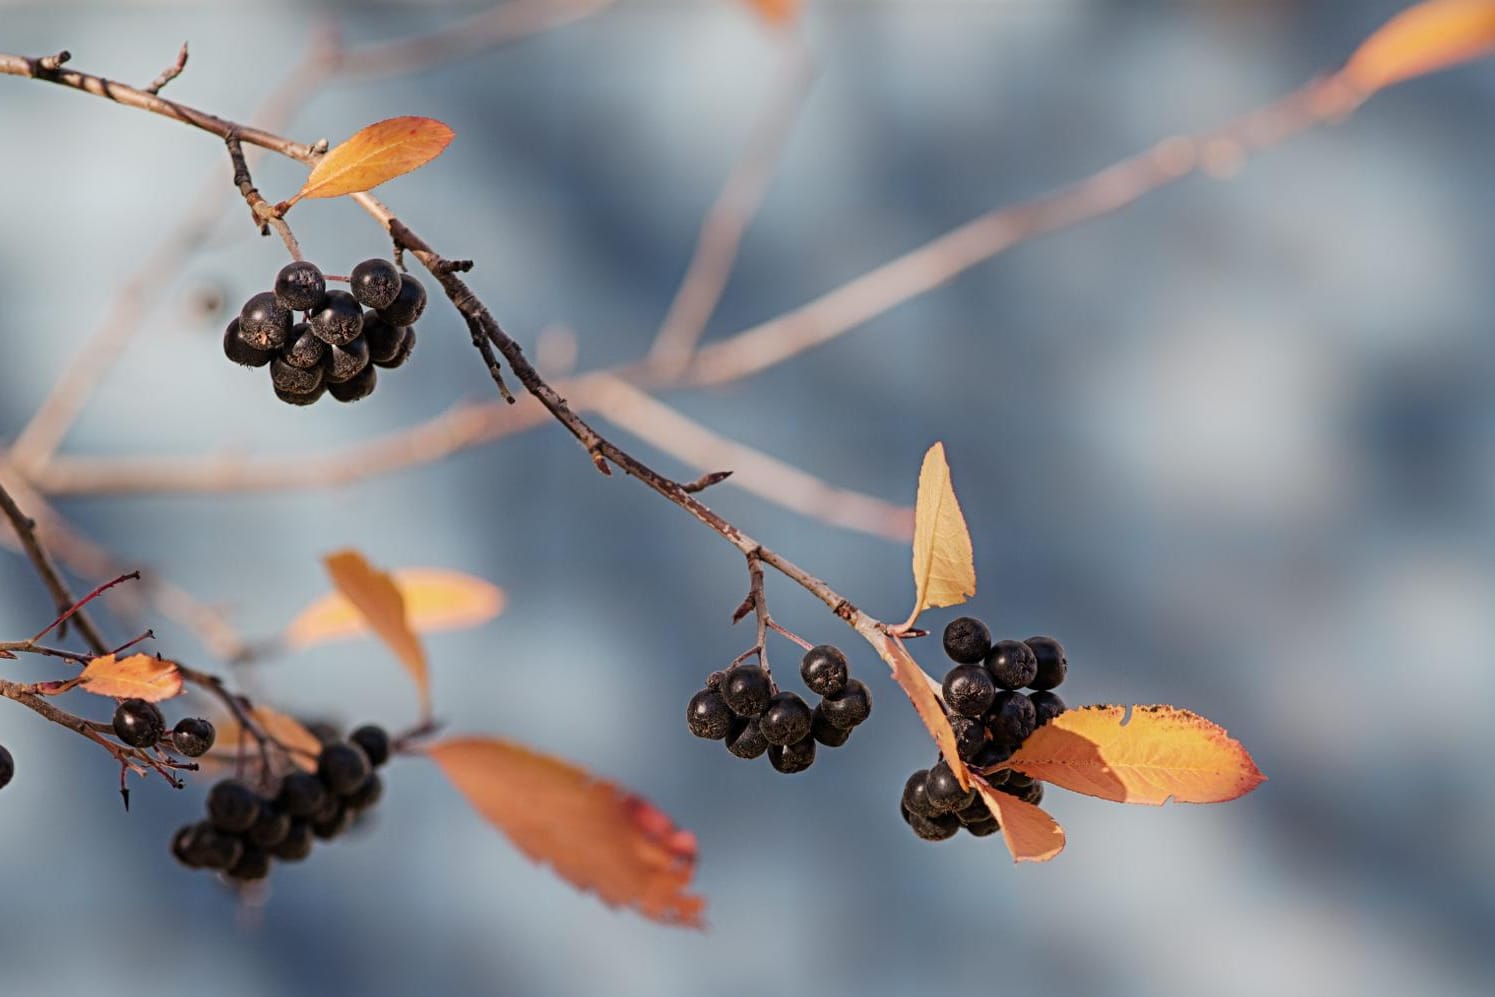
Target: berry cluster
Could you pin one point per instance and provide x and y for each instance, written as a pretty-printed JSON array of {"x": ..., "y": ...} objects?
[
  {"x": 337, "y": 348},
  {"x": 245, "y": 830},
  {"x": 991, "y": 719},
  {"x": 743, "y": 707}
]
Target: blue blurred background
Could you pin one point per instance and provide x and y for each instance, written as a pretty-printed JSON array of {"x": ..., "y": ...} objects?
[{"x": 1232, "y": 445}]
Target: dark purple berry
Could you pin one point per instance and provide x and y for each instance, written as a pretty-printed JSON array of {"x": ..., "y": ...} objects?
[
  {"x": 357, "y": 387},
  {"x": 969, "y": 690},
  {"x": 375, "y": 283},
  {"x": 265, "y": 323},
  {"x": 1052, "y": 665},
  {"x": 342, "y": 767},
  {"x": 827, "y": 733},
  {"x": 233, "y": 806},
  {"x": 241, "y": 352},
  {"x": 206, "y": 847},
  {"x": 402, "y": 351},
  {"x": 343, "y": 363},
  {"x": 992, "y": 753},
  {"x": 915, "y": 798},
  {"x": 745, "y": 739},
  {"x": 303, "y": 400},
  {"x": 269, "y": 829},
  {"x": 409, "y": 302},
  {"x": 7, "y": 767},
  {"x": 747, "y": 689},
  {"x": 984, "y": 828},
  {"x": 967, "y": 640},
  {"x": 786, "y": 720},
  {"x": 192, "y": 736},
  {"x": 1019, "y": 780},
  {"x": 181, "y": 847},
  {"x": 374, "y": 741},
  {"x": 297, "y": 843},
  {"x": 1011, "y": 718},
  {"x": 300, "y": 286},
  {"x": 253, "y": 865},
  {"x": 1046, "y": 706},
  {"x": 304, "y": 350},
  {"x": 294, "y": 380},
  {"x": 708, "y": 715},
  {"x": 933, "y": 828},
  {"x": 366, "y": 795},
  {"x": 1029, "y": 792},
  {"x": 850, "y": 707},
  {"x": 384, "y": 339},
  {"x": 332, "y": 820},
  {"x": 138, "y": 723},
  {"x": 301, "y": 794},
  {"x": 338, "y": 320},
  {"x": 975, "y": 813},
  {"x": 1011, "y": 663},
  {"x": 824, "y": 670},
  {"x": 970, "y": 736},
  {"x": 792, "y": 758},
  {"x": 943, "y": 789}
]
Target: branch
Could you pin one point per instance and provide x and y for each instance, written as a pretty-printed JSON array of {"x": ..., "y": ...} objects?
[
  {"x": 25, "y": 530},
  {"x": 171, "y": 72},
  {"x": 259, "y": 209}
]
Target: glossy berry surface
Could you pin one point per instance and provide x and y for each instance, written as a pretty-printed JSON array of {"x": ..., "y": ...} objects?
[
  {"x": 294, "y": 380},
  {"x": 300, "y": 286},
  {"x": 7, "y": 767},
  {"x": 970, "y": 736},
  {"x": 824, "y": 670},
  {"x": 357, "y": 387},
  {"x": 297, "y": 843},
  {"x": 745, "y": 739},
  {"x": 850, "y": 707},
  {"x": 304, "y": 350},
  {"x": 374, "y": 741},
  {"x": 345, "y": 362},
  {"x": 1011, "y": 718},
  {"x": 375, "y": 283},
  {"x": 233, "y": 806},
  {"x": 708, "y": 715},
  {"x": 302, "y": 400},
  {"x": 384, "y": 339},
  {"x": 1046, "y": 706},
  {"x": 192, "y": 736},
  {"x": 265, "y": 323},
  {"x": 975, "y": 813},
  {"x": 792, "y": 758},
  {"x": 992, "y": 753},
  {"x": 786, "y": 720},
  {"x": 969, "y": 690},
  {"x": 747, "y": 690},
  {"x": 984, "y": 828},
  {"x": 1052, "y": 664},
  {"x": 827, "y": 733},
  {"x": 241, "y": 352},
  {"x": 937, "y": 828},
  {"x": 409, "y": 302},
  {"x": 138, "y": 723},
  {"x": 915, "y": 797},
  {"x": 301, "y": 794},
  {"x": 253, "y": 864},
  {"x": 339, "y": 319},
  {"x": 944, "y": 792},
  {"x": 1012, "y": 664},
  {"x": 342, "y": 767},
  {"x": 967, "y": 640},
  {"x": 402, "y": 353}
]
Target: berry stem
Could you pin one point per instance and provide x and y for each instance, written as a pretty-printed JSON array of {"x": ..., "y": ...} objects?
[{"x": 263, "y": 213}]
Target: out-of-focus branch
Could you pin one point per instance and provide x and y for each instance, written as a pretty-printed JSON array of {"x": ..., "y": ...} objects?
[{"x": 24, "y": 528}]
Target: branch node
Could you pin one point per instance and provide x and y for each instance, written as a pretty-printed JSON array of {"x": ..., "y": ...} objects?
[
  {"x": 600, "y": 461},
  {"x": 52, "y": 63},
  {"x": 705, "y": 481}
]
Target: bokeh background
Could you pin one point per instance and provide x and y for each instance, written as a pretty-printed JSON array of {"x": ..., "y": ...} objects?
[{"x": 1232, "y": 445}]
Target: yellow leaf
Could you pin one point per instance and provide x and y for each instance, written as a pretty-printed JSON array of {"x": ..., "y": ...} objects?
[
  {"x": 378, "y": 600},
  {"x": 1030, "y": 833},
  {"x": 380, "y": 152},
  {"x": 1424, "y": 38},
  {"x": 595, "y": 835},
  {"x": 776, "y": 11},
  {"x": 435, "y": 599},
  {"x": 944, "y": 566},
  {"x": 1161, "y": 753},
  {"x": 921, "y": 691},
  {"x": 140, "y": 676}
]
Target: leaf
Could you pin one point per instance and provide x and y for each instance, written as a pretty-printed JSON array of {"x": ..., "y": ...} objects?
[
  {"x": 232, "y": 739},
  {"x": 435, "y": 599},
  {"x": 595, "y": 835},
  {"x": 1031, "y": 834},
  {"x": 140, "y": 676},
  {"x": 378, "y": 600},
  {"x": 1161, "y": 753},
  {"x": 944, "y": 566},
  {"x": 1437, "y": 34},
  {"x": 920, "y": 689},
  {"x": 776, "y": 11},
  {"x": 380, "y": 152}
]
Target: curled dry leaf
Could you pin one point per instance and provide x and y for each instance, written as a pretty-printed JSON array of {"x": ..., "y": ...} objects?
[
  {"x": 1161, "y": 753},
  {"x": 944, "y": 564},
  {"x": 377, "y": 598},
  {"x": 920, "y": 689},
  {"x": 140, "y": 676},
  {"x": 1030, "y": 833},
  {"x": 435, "y": 600},
  {"x": 1424, "y": 38},
  {"x": 595, "y": 835},
  {"x": 380, "y": 152}
]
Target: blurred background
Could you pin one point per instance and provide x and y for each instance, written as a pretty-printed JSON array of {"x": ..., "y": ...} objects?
[{"x": 1231, "y": 445}]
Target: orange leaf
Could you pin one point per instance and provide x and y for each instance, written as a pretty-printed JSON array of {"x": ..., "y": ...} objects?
[
  {"x": 376, "y": 597},
  {"x": 776, "y": 11},
  {"x": 232, "y": 740},
  {"x": 921, "y": 690},
  {"x": 435, "y": 599},
  {"x": 1161, "y": 753},
  {"x": 1031, "y": 834},
  {"x": 595, "y": 835},
  {"x": 140, "y": 676},
  {"x": 944, "y": 565},
  {"x": 380, "y": 152},
  {"x": 1425, "y": 38}
]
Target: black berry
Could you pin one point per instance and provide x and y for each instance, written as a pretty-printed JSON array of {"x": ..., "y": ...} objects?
[
  {"x": 984, "y": 828},
  {"x": 974, "y": 813},
  {"x": 138, "y": 723},
  {"x": 366, "y": 795},
  {"x": 384, "y": 340},
  {"x": 357, "y": 387},
  {"x": 241, "y": 352},
  {"x": 300, "y": 286},
  {"x": 338, "y": 320},
  {"x": 1019, "y": 780},
  {"x": 1051, "y": 662},
  {"x": 1046, "y": 706},
  {"x": 993, "y": 753},
  {"x": 204, "y": 846},
  {"x": 1011, "y": 663},
  {"x": 375, "y": 283},
  {"x": 334, "y": 819},
  {"x": 297, "y": 843},
  {"x": 304, "y": 350},
  {"x": 343, "y": 363},
  {"x": 301, "y": 794},
  {"x": 1011, "y": 718},
  {"x": 708, "y": 715},
  {"x": 192, "y": 736},
  {"x": 747, "y": 689},
  {"x": 970, "y": 736},
  {"x": 303, "y": 400},
  {"x": 294, "y": 380},
  {"x": 849, "y": 707},
  {"x": 402, "y": 353},
  {"x": 824, "y": 670},
  {"x": 269, "y": 829},
  {"x": 786, "y": 720},
  {"x": 943, "y": 789},
  {"x": 7, "y": 767},
  {"x": 253, "y": 864},
  {"x": 969, "y": 690},
  {"x": 915, "y": 798},
  {"x": 181, "y": 847},
  {"x": 745, "y": 739},
  {"x": 827, "y": 733},
  {"x": 792, "y": 758},
  {"x": 1029, "y": 791},
  {"x": 933, "y": 828},
  {"x": 967, "y": 640},
  {"x": 233, "y": 806},
  {"x": 374, "y": 741},
  {"x": 342, "y": 767},
  {"x": 409, "y": 302},
  {"x": 265, "y": 323}
]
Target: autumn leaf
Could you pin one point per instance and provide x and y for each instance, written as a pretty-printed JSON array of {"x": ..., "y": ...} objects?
[
  {"x": 776, "y": 11},
  {"x": 920, "y": 689},
  {"x": 1030, "y": 833},
  {"x": 140, "y": 676},
  {"x": 1162, "y": 752},
  {"x": 377, "y": 599},
  {"x": 595, "y": 835},
  {"x": 944, "y": 565},
  {"x": 1427, "y": 37},
  {"x": 380, "y": 152},
  {"x": 435, "y": 600},
  {"x": 232, "y": 739}
]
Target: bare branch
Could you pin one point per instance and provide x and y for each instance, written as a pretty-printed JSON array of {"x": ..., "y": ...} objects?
[
  {"x": 170, "y": 73},
  {"x": 259, "y": 209},
  {"x": 25, "y": 531}
]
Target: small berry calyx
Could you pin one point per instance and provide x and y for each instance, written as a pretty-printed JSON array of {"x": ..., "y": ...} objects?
[
  {"x": 408, "y": 304},
  {"x": 138, "y": 723},
  {"x": 1012, "y": 664},
  {"x": 374, "y": 741},
  {"x": 966, "y": 640},
  {"x": 708, "y": 715},
  {"x": 300, "y": 286},
  {"x": 824, "y": 670},
  {"x": 193, "y": 736},
  {"x": 264, "y": 322},
  {"x": 375, "y": 283},
  {"x": 343, "y": 767},
  {"x": 1052, "y": 665},
  {"x": 747, "y": 690},
  {"x": 969, "y": 690}
]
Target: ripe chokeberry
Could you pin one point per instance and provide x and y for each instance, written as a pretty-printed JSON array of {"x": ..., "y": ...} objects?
[
  {"x": 827, "y": 733},
  {"x": 375, "y": 283},
  {"x": 241, "y": 352},
  {"x": 409, "y": 302},
  {"x": 310, "y": 398},
  {"x": 138, "y": 723},
  {"x": 824, "y": 670},
  {"x": 792, "y": 758},
  {"x": 192, "y": 736},
  {"x": 355, "y": 388},
  {"x": 708, "y": 715},
  {"x": 1052, "y": 664},
  {"x": 253, "y": 865},
  {"x": 181, "y": 847},
  {"x": 850, "y": 707},
  {"x": 983, "y": 828},
  {"x": 296, "y": 845},
  {"x": 1010, "y": 718},
  {"x": 374, "y": 741},
  {"x": 292, "y": 380},
  {"x": 969, "y": 690},
  {"x": 747, "y": 689},
  {"x": 1046, "y": 706},
  {"x": 303, "y": 350},
  {"x": 264, "y": 323},
  {"x": 1011, "y": 663},
  {"x": 384, "y": 339},
  {"x": 943, "y": 790},
  {"x": 366, "y": 795},
  {"x": 333, "y": 820},
  {"x": 342, "y": 767},
  {"x": 300, "y": 286},
  {"x": 7, "y": 767},
  {"x": 745, "y": 739},
  {"x": 993, "y": 753},
  {"x": 938, "y": 828},
  {"x": 786, "y": 720},
  {"x": 233, "y": 806},
  {"x": 976, "y": 813},
  {"x": 203, "y": 846},
  {"x": 915, "y": 798},
  {"x": 269, "y": 829},
  {"x": 967, "y": 640},
  {"x": 970, "y": 736},
  {"x": 343, "y": 363},
  {"x": 402, "y": 351},
  {"x": 338, "y": 320},
  {"x": 1029, "y": 792}
]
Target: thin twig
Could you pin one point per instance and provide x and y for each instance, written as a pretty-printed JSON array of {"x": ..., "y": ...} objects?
[
  {"x": 77, "y": 607},
  {"x": 170, "y": 73},
  {"x": 25, "y": 530},
  {"x": 259, "y": 209}
]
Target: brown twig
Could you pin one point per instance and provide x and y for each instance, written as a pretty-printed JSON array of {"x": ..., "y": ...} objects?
[
  {"x": 264, "y": 215},
  {"x": 170, "y": 73},
  {"x": 77, "y": 607},
  {"x": 25, "y": 531}
]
